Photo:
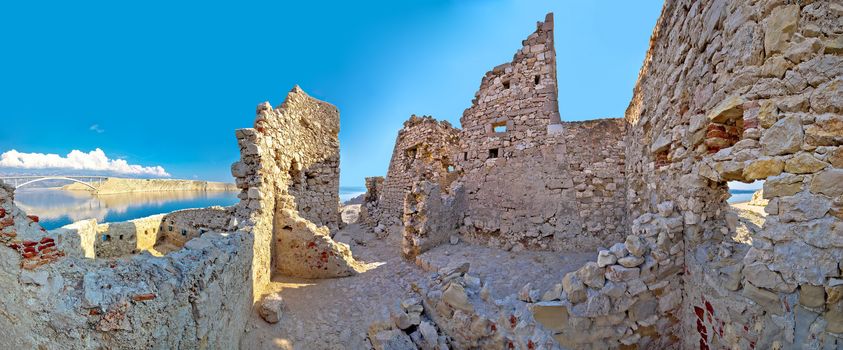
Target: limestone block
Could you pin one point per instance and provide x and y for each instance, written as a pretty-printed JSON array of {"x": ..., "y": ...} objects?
[
  {"x": 802, "y": 207},
  {"x": 783, "y": 137},
  {"x": 631, "y": 261},
  {"x": 617, "y": 273},
  {"x": 763, "y": 168},
  {"x": 730, "y": 170},
  {"x": 760, "y": 275},
  {"x": 811, "y": 295},
  {"x": 670, "y": 301},
  {"x": 553, "y": 315},
  {"x": 782, "y": 185},
  {"x": 619, "y": 250},
  {"x": 592, "y": 275},
  {"x": 803, "y": 163},
  {"x": 598, "y": 305},
  {"x": 392, "y": 339},
  {"x": 828, "y": 97},
  {"x": 766, "y": 299},
  {"x": 834, "y": 317},
  {"x": 605, "y": 258},
  {"x": 768, "y": 112},
  {"x": 456, "y": 297},
  {"x": 729, "y": 109},
  {"x": 665, "y": 208},
  {"x": 732, "y": 276},
  {"x": 636, "y": 246},
  {"x": 271, "y": 307},
  {"x": 828, "y": 182},
  {"x": 835, "y": 157},
  {"x": 554, "y": 293},
  {"x": 827, "y": 130},
  {"x": 779, "y": 27},
  {"x": 574, "y": 288}
]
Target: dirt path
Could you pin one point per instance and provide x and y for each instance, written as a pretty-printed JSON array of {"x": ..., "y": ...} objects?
[{"x": 336, "y": 313}]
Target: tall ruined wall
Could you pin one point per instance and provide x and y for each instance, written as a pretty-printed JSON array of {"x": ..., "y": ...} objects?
[
  {"x": 423, "y": 149},
  {"x": 287, "y": 173},
  {"x": 531, "y": 180},
  {"x": 744, "y": 91},
  {"x": 595, "y": 156}
]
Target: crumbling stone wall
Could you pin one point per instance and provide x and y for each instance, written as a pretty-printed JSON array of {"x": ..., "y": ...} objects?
[
  {"x": 531, "y": 180},
  {"x": 55, "y": 300},
  {"x": 747, "y": 91},
  {"x": 431, "y": 216},
  {"x": 423, "y": 150},
  {"x": 369, "y": 207},
  {"x": 120, "y": 239},
  {"x": 729, "y": 90},
  {"x": 180, "y": 226},
  {"x": 298, "y": 137}
]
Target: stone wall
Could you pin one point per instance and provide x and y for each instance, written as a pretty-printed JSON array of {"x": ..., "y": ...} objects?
[
  {"x": 531, "y": 180},
  {"x": 120, "y": 239},
  {"x": 729, "y": 91},
  {"x": 194, "y": 298},
  {"x": 431, "y": 216},
  {"x": 180, "y": 226},
  {"x": 423, "y": 149},
  {"x": 369, "y": 208},
  {"x": 297, "y": 138},
  {"x": 736, "y": 91}
]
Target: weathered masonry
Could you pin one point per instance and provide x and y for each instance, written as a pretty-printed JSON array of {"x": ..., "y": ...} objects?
[
  {"x": 729, "y": 91},
  {"x": 528, "y": 179},
  {"x": 187, "y": 279}
]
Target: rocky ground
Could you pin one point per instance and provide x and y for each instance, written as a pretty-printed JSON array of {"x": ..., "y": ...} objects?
[
  {"x": 750, "y": 220},
  {"x": 336, "y": 313}
]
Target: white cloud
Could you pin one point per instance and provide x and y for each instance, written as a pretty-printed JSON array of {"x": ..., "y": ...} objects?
[
  {"x": 95, "y": 160},
  {"x": 96, "y": 128}
]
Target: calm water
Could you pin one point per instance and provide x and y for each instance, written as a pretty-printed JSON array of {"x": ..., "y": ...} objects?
[
  {"x": 57, "y": 208},
  {"x": 740, "y": 196}
]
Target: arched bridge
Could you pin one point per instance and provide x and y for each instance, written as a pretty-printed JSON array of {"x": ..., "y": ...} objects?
[{"x": 20, "y": 181}]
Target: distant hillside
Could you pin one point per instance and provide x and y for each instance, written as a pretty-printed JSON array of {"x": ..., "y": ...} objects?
[{"x": 119, "y": 185}]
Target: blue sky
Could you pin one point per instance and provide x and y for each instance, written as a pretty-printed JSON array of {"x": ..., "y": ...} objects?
[{"x": 165, "y": 84}]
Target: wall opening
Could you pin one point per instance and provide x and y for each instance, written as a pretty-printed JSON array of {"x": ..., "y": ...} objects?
[
  {"x": 537, "y": 79},
  {"x": 493, "y": 153},
  {"x": 295, "y": 174},
  {"x": 499, "y": 127},
  {"x": 747, "y": 203},
  {"x": 451, "y": 168},
  {"x": 465, "y": 156},
  {"x": 506, "y": 85}
]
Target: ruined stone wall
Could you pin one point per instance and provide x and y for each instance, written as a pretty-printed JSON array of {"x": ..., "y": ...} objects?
[
  {"x": 729, "y": 91},
  {"x": 744, "y": 91},
  {"x": 423, "y": 149},
  {"x": 53, "y": 300},
  {"x": 369, "y": 208},
  {"x": 431, "y": 216},
  {"x": 595, "y": 152},
  {"x": 297, "y": 138},
  {"x": 531, "y": 180},
  {"x": 121, "y": 239},
  {"x": 180, "y": 226}
]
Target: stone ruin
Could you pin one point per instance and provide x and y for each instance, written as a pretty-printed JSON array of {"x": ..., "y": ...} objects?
[{"x": 729, "y": 91}]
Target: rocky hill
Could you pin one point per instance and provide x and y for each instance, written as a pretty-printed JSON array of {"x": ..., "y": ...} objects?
[{"x": 120, "y": 185}]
